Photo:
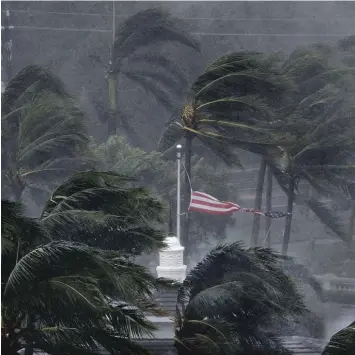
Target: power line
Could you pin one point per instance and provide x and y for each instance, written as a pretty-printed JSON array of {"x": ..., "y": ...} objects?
[
  {"x": 193, "y": 33},
  {"x": 182, "y": 18}
]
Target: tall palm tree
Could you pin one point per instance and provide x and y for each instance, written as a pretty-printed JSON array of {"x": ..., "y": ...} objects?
[
  {"x": 43, "y": 132},
  {"x": 230, "y": 302},
  {"x": 322, "y": 152},
  {"x": 139, "y": 31},
  {"x": 225, "y": 105}
]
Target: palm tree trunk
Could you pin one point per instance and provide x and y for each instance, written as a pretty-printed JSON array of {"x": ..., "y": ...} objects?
[
  {"x": 17, "y": 190},
  {"x": 268, "y": 197},
  {"x": 112, "y": 93},
  {"x": 30, "y": 327},
  {"x": 257, "y": 203},
  {"x": 187, "y": 196},
  {"x": 288, "y": 222},
  {"x": 351, "y": 227}
]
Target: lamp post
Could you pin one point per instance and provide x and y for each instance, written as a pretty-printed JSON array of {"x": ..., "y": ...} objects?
[{"x": 178, "y": 205}]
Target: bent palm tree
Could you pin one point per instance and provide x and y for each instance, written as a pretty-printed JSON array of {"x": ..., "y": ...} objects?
[
  {"x": 144, "y": 29},
  {"x": 230, "y": 302},
  {"x": 322, "y": 151},
  {"x": 42, "y": 132},
  {"x": 225, "y": 106}
]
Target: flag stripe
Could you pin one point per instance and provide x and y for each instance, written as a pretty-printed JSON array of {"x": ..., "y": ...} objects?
[
  {"x": 202, "y": 194},
  {"x": 206, "y": 202},
  {"x": 213, "y": 210}
]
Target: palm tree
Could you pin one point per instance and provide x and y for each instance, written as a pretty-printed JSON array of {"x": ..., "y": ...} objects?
[
  {"x": 67, "y": 297},
  {"x": 342, "y": 342},
  {"x": 230, "y": 302},
  {"x": 322, "y": 152},
  {"x": 143, "y": 29},
  {"x": 43, "y": 132},
  {"x": 101, "y": 210},
  {"x": 224, "y": 107}
]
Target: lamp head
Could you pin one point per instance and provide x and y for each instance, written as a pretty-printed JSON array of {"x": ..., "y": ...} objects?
[{"x": 178, "y": 151}]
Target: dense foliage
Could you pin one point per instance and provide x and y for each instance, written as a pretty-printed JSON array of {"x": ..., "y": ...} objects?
[
  {"x": 233, "y": 299},
  {"x": 69, "y": 283},
  {"x": 43, "y": 134},
  {"x": 65, "y": 296}
]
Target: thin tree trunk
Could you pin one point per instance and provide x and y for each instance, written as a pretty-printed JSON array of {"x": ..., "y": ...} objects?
[
  {"x": 187, "y": 196},
  {"x": 351, "y": 226},
  {"x": 30, "y": 327},
  {"x": 17, "y": 192},
  {"x": 112, "y": 92},
  {"x": 257, "y": 203},
  {"x": 268, "y": 197},
  {"x": 288, "y": 222}
]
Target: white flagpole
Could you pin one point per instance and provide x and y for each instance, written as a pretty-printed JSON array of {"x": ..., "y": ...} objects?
[{"x": 178, "y": 212}]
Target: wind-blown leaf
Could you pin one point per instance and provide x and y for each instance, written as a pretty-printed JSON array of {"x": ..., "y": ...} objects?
[{"x": 147, "y": 27}]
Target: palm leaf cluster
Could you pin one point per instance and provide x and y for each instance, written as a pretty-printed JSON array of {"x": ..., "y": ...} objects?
[
  {"x": 230, "y": 302},
  {"x": 342, "y": 343},
  {"x": 101, "y": 210},
  {"x": 58, "y": 298},
  {"x": 143, "y": 29},
  {"x": 322, "y": 119},
  {"x": 228, "y": 100},
  {"x": 155, "y": 72},
  {"x": 43, "y": 132},
  {"x": 321, "y": 125},
  {"x": 61, "y": 292}
]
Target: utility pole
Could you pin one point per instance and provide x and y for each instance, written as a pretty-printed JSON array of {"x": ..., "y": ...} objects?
[{"x": 6, "y": 47}]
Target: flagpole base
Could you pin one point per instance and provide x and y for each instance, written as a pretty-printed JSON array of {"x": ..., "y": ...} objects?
[{"x": 171, "y": 260}]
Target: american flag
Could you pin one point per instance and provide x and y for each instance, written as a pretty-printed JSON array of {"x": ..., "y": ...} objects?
[{"x": 202, "y": 202}]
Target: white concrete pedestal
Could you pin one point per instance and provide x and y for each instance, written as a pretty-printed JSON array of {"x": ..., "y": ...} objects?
[{"x": 171, "y": 260}]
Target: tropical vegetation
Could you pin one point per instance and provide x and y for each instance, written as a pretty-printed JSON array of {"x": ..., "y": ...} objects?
[
  {"x": 234, "y": 299},
  {"x": 288, "y": 116},
  {"x": 43, "y": 134},
  {"x": 142, "y": 30},
  {"x": 70, "y": 280},
  {"x": 342, "y": 342},
  {"x": 66, "y": 296}
]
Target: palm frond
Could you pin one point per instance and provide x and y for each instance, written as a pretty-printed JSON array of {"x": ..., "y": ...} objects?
[
  {"x": 171, "y": 134},
  {"x": 98, "y": 208},
  {"x": 18, "y": 235},
  {"x": 342, "y": 343},
  {"x": 232, "y": 296},
  {"x": 163, "y": 63},
  {"x": 35, "y": 78},
  {"x": 147, "y": 27},
  {"x": 151, "y": 86},
  {"x": 41, "y": 125},
  {"x": 161, "y": 78}
]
